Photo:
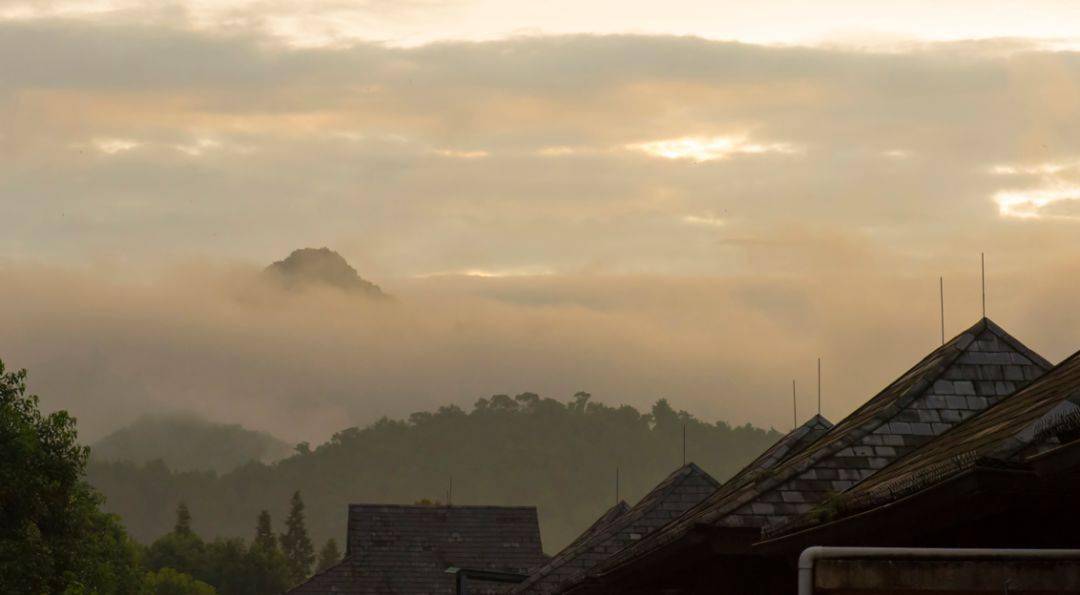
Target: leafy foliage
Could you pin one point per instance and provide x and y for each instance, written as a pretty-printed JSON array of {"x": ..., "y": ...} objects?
[
  {"x": 180, "y": 550},
  {"x": 560, "y": 456},
  {"x": 53, "y": 536},
  {"x": 55, "y": 539},
  {"x": 170, "y": 582},
  {"x": 225, "y": 564}
]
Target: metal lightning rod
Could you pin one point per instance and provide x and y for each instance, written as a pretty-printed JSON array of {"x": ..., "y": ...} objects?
[
  {"x": 794, "y": 408},
  {"x": 982, "y": 258},
  {"x": 684, "y": 443},
  {"x": 941, "y": 299}
]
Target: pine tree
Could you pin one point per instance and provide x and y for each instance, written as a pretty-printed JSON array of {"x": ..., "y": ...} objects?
[
  {"x": 328, "y": 556},
  {"x": 295, "y": 543},
  {"x": 265, "y": 540},
  {"x": 183, "y": 520},
  {"x": 268, "y": 567},
  {"x": 182, "y": 550}
]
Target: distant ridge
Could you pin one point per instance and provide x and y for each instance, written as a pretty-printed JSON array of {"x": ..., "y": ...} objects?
[
  {"x": 187, "y": 442},
  {"x": 320, "y": 266}
]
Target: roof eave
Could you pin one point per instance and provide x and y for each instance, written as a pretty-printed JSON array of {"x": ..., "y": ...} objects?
[{"x": 954, "y": 494}]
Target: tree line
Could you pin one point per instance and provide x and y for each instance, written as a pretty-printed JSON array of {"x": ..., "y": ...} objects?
[
  {"x": 55, "y": 538},
  {"x": 560, "y": 456},
  {"x": 60, "y": 515},
  {"x": 181, "y": 562}
]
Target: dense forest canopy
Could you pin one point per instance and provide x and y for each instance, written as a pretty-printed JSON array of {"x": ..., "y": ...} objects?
[{"x": 522, "y": 450}]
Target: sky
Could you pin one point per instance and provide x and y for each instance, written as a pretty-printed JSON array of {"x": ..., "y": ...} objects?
[{"x": 692, "y": 200}]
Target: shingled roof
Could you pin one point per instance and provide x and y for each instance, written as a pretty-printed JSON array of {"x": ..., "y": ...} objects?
[
  {"x": 684, "y": 488},
  {"x": 1034, "y": 420},
  {"x": 407, "y": 549},
  {"x": 610, "y": 515},
  {"x": 786, "y": 447},
  {"x": 974, "y": 370}
]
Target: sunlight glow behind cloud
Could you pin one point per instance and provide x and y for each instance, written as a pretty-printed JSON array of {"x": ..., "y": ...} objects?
[
  {"x": 528, "y": 271},
  {"x": 112, "y": 146},
  {"x": 458, "y": 154},
  {"x": 704, "y": 220},
  {"x": 701, "y": 149},
  {"x": 1031, "y": 203},
  {"x": 200, "y": 146},
  {"x": 1037, "y": 202}
]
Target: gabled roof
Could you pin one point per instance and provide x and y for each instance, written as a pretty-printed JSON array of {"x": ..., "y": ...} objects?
[
  {"x": 1033, "y": 420},
  {"x": 680, "y": 490},
  {"x": 601, "y": 523},
  {"x": 407, "y": 549},
  {"x": 787, "y": 446},
  {"x": 974, "y": 370}
]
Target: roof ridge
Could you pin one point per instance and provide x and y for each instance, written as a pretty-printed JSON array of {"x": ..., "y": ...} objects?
[
  {"x": 694, "y": 467},
  {"x": 647, "y": 504},
  {"x": 608, "y": 516},
  {"x": 883, "y": 407},
  {"x": 909, "y": 481},
  {"x": 1017, "y": 345},
  {"x": 792, "y": 438},
  {"x": 669, "y": 483},
  {"x": 807, "y": 458},
  {"x": 948, "y": 353}
]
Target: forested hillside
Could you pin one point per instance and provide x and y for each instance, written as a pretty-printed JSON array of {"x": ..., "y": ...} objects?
[
  {"x": 186, "y": 442},
  {"x": 518, "y": 450}
]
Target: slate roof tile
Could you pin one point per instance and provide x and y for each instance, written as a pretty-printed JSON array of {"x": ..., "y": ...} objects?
[
  {"x": 678, "y": 492},
  {"x": 405, "y": 550},
  {"x": 1018, "y": 427},
  {"x": 984, "y": 348}
]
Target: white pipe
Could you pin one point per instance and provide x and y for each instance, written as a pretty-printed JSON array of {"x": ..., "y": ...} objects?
[{"x": 811, "y": 555}]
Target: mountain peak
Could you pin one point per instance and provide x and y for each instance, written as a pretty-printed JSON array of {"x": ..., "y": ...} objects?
[{"x": 320, "y": 266}]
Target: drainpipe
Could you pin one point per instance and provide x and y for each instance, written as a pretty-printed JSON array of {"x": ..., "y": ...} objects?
[{"x": 811, "y": 555}]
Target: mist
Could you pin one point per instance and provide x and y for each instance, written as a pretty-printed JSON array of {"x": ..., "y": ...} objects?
[{"x": 110, "y": 344}]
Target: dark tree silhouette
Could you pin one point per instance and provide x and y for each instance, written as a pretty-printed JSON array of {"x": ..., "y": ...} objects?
[
  {"x": 328, "y": 555},
  {"x": 269, "y": 569},
  {"x": 264, "y": 533},
  {"x": 183, "y": 520},
  {"x": 295, "y": 543}
]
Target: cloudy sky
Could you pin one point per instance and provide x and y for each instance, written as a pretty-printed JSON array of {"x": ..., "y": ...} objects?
[{"x": 691, "y": 200}]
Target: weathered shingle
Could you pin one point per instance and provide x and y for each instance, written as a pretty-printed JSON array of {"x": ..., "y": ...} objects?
[
  {"x": 1029, "y": 422},
  {"x": 678, "y": 492},
  {"x": 950, "y": 385},
  {"x": 786, "y": 447},
  {"x": 407, "y": 549}
]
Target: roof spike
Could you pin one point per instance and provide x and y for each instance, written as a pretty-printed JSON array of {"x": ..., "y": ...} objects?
[
  {"x": 684, "y": 443},
  {"x": 819, "y": 386},
  {"x": 941, "y": 298},
  {"x": 794, "y": 408},
  {"x": 982, "y": 258}
]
